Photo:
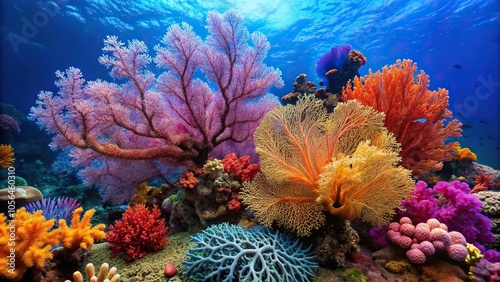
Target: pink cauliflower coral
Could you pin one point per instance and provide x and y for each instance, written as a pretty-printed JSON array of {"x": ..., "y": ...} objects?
[{"x": 425, "y": 239}]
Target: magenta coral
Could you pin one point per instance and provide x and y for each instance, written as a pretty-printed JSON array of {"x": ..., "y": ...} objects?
[
  {"x": 125, "y": 133},
  {"x": 451, "y": 204},
  {"x": 139, "y": 232}
]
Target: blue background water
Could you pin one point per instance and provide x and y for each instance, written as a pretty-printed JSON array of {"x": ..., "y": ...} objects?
[{"x": 457, "y": 44}]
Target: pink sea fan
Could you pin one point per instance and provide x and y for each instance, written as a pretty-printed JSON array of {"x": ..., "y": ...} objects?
[{"x": 134, "y": 129}]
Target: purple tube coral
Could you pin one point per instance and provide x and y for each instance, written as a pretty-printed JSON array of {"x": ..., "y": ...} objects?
[
  {"x": 333, "y": 59},
  {"x": 60, "y": 208}
]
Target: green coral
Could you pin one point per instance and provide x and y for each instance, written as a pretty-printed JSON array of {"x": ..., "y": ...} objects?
[
  {"x": 19, "y": 181},
  {"x": 351, "y": 275},
  {"x": 226, "y": 181}
]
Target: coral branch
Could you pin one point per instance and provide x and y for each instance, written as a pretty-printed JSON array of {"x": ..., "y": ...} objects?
[{"x": 415, "y": 115}]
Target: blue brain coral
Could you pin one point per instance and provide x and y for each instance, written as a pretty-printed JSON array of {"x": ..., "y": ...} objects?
[{"x": 228, "y": 252}]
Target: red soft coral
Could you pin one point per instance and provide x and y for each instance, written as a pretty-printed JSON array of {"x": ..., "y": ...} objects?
[
  {"x": 234, "y": 205},
  {"x": 139, "y": 232},
  {"x": 240, "y": 169},
  {"x": 415, "y": 115}
]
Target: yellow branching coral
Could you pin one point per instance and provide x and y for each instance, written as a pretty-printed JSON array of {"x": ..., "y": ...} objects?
[
  {"x": 81, "y": 234},
  {"x": 33, "y": 242},
  {"x": 6, "y": 156},
  {"x": 345, "y": 163}
]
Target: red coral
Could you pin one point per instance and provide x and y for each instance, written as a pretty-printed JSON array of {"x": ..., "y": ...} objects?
[
  {"x": 234, "y": 204},
  {"x": 139, "y": 232},
  {"x": 240, "y": 169},
  {"x": 188, "y": 180},
  {"x": 415, "y": 115},
  {"x": 483, "y": 182}
]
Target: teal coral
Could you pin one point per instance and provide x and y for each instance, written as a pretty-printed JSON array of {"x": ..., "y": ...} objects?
[{"x": 228, "y": 252}]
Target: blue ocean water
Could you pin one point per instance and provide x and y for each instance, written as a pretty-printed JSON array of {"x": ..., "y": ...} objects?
[{"x": 455, "y": 42}]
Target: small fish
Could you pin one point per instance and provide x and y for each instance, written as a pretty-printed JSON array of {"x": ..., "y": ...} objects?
[
  {"x": 457, "y": 66},
  {"x": 421, "y": 120},
  {"x": 498, "y": 148},
  {"x": 461, "y": 115},
  {"x": 489, "y": 136},
  {"x": 477, "y": 85},
  {"x": 465, "y": 136},
  {"x": 483, "y": 121},
  {"x": 466, "y": 126},
  {"x": 481, "y": 144}
]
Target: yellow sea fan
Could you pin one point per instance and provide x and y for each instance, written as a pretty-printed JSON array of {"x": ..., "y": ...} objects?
[
  {"x": 6, "y": 156},
  {"x": 292, "y": 205},
  {"x": 81, "y": 234},
  {"x": 367, "y": 184},
  {"x": 344, "y": 163}
]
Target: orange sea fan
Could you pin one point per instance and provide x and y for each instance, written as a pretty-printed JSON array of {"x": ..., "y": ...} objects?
[
  {"x": 415, "y": 115},
  {"x": 6, "y": 156},
  {"x": 345, "y": 163}
]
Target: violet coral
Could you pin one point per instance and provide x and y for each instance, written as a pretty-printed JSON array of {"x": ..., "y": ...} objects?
[
  {"x": 55, "y": 208},
  {"x": 415, "y": 115},
  {"x": 345, "y": 163},
  {"x": 128, "y": 133}
]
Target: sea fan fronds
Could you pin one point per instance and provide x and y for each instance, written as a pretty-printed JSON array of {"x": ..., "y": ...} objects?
[
  {"x": 6, "y": 156},
  {"x": 345, "y": 163}
]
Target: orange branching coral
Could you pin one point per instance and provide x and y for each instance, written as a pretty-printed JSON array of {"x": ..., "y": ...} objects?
[
  {"x": 33, "y": 242},
  {"x": 6, "y": 156},
  {"x": 483, "y": 182},
  {"x": 344, "y": 163},
  {"x": 81, "y": 234},
  {"x": 415, "y": 115}
]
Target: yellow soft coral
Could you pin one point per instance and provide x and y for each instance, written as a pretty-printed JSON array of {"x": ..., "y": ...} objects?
[
  {"x": 81, "y": 234},
  {"x": 33, "y": 243},
  {"x": 345, "y": 163},
  {"x": 6, "y": 156}
]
